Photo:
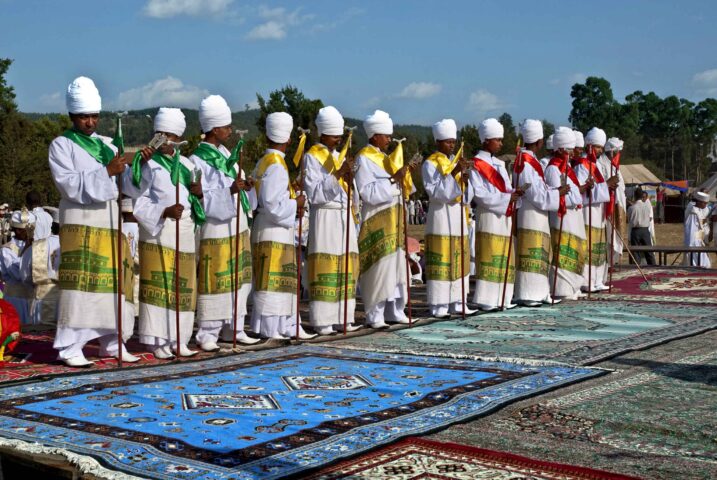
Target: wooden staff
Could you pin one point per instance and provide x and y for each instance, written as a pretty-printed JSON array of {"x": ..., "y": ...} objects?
[
  {"x": 237, "y": 246},
  {"x": 613, "y": 171},
  {"x": 120, "y": 341},
  {"x": 349, "y": 223},
  {"x": 463, "y": 253},
  {"x": 298, "y": 246},
  {"x": 564, "y": 181},
  {"x": 405, "y": 242},
  {"x": 631, "y": 254},
  {"x": 590, "y": 227},
  {"x": 513, "y": 225},
  {"x": 177, "y": 166}
]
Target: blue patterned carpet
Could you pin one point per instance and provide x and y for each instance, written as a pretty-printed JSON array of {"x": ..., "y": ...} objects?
[{"x": 265, "y": 414}]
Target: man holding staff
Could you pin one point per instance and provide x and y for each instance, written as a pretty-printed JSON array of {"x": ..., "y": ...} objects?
[
  {"x": 446, "y": 249},
  {"x": 327, "y": 184}
]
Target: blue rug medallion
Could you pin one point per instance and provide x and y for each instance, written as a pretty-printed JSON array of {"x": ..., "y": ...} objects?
[{"x": 266, "y": 414}]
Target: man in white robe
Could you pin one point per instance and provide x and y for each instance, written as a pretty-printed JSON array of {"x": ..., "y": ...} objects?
[
  {"x": 496, "y": 198},
  {"x": 43, "y": 222},
  {"x": 222, "y": 182},
  {"x": 567, "y": 227},
  {"x": 533, "y": 243},
  {"x": 273, "y": 234},
  {"x": 157, "y": 213},
  {"x": 383, "y": 278},
  {"x": 84, "y": 168},
  {"x": 442, "y": 175},
  {"x": 18, "y": 291},
  {"x": 326, "y": 185},
  {"x": 697, "y": 229},
  {"x": 590, "y": 171},
  {"x": 549, "y": 149},
  {"x": 610, "y": 163}
]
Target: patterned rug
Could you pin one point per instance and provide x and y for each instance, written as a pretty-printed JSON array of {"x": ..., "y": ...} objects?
[
  {"x": 416, "y": 458},
  {"x": 265, "y": 414},
  {"x": 683, "y": 285},
  {"x": 654, "y": 417},
  {"x": 572, "y": 332}
]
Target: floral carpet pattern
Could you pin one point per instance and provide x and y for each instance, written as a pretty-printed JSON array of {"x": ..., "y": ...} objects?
[
  {"x": 416, "y": 458},
  {"x": 683, "y": 285},
  {"x": 571, "y": 332},
  {"x": 654, "y": 417},
  {"x": 265, "y": 414}
]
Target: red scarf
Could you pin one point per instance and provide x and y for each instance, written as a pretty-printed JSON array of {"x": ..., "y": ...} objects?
[
  {"x": 524, "y": 158},
  {"x": 562, "y": 165},
  {"x": 615, "y": 160},
  {"x": 590, "y": 164},
  {"x": 494, "y": 177}
]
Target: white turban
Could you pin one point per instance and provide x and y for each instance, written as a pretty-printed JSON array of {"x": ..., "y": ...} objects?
[
  {"x": 329, "y": 121},
  {"x": 563, "y": 138},
  {"x": 532, "y": 130},
  {"x": 379, "y": 122},
  {"x": 170, "y": 120},
  {"x": 279, "y": 126},
  {"x": 579, "y": 139},
  {"x": 445, "y": 129},
  {"x": 596, "y": 136},
  {"x": 214, "y": 112},
  {"x": 83, "y": 96},
  {"x": 22, "y": 218},
  {"x": 614, "y": 144},
  {"x": 549, "y": 142},
  {"x": 699, "y": 196},
  {"x": 490, "y": 128}
]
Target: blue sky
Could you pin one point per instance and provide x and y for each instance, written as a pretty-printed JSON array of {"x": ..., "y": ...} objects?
[{"x": 419, "y": 60}]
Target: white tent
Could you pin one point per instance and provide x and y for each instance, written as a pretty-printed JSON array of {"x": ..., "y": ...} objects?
[
  {"x": 710, "y": 186},
  {"x": 637, "y": 174}
]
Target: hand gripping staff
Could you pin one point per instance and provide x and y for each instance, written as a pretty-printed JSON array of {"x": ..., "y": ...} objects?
[
  {"x": 237, "y": 242},
  {"x": 349, "y": 224},
  {"x": 299, "y": 154},
  {"x": 513, "y": 222}
]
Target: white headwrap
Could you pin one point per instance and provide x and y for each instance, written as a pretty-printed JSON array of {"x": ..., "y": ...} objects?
[
  {"x": 83, "y": 97},
  {"x": 699, "y": 196},
  {"x": 445, "y": 129},
  {"x": 532, "y": 130},
  {"x": 596, "y": 136},
  {"x": 279, "y": 126},
  {"x": 614, "y": 144},
  {"x": 329, "y": 121},
  {"x": 549, "y": 142},
  {"x": 379, "y": 122},
  {"x": 579, "y": 139},
  {"x": 563, "y": 138},
  {"x": 170, "y": 120},
  {"x": 490, "y": 128},
  {"x": 214, "y": 112},
  {"x": 22, "y": 218}
]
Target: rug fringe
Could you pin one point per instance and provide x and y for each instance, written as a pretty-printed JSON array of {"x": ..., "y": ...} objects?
[{"x": 84, "y": 463}]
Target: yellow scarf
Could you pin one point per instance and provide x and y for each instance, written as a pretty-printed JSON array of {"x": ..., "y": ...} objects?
[
  {"x": 390, "y": 164},
  {"x": 266, "y": 161},
  {"x": 332, "y": 164}
]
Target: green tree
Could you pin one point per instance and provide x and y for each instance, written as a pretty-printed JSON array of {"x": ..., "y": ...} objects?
[{"x": 510, "y": 136}]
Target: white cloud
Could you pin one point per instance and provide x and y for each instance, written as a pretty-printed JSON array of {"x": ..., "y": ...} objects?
[
  {"x": 577, "y": 78},
  {"x": 483, "y": 101},
  {"x": 420, "y": 90},
  {"x": 52, "y": 102},
  {"x": 192, "y": 8},
  {"x": 166, "y": 92},
  {"x": 337, "y": 21},
  {"x": 276, "y": 23},
  {"x": 706, "y": 82}
]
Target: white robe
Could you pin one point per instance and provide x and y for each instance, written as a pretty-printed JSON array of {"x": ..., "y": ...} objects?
[
  {"x": 493, "y": 230},
  {"x": 444, "y": 219},
  {"x": 383, "y": 285},
  {"x": 327, "y": 237},
  {"x": 697, "y": 232},
  {"x": 88, "y": 198},
  {"x": 43, "y": 223},
  {"x": 216, "y": 311},
  {"x": 572, "y": 237},
  {"x": 594, "y": 215},
  {"x": 17, "y": 291},
  {"x": 620, "y": 211},
  {"x": 39, "y": 267},
  {"x": 274, "y": 313},
  {"x": 531, "y": 277},
  {"x": 157, "y": 323}
]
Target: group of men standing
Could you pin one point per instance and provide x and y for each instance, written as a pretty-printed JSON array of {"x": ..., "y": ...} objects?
[{"x": 543, "y": 230}]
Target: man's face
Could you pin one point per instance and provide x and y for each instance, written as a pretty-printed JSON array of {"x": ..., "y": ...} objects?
[
  {"x": 446, "y": 146},
  {"x": 20, "y": 233},
  {"x": 597, "y": 149},
  {"x": 331, "y": 141},
  {"x": 167, "y": 149},
  {"x": 85, "y": 122},
  {"x": 700, "y": 204},
  {"x": 577, "y": 151},
  {"x": 493, "y": 145},
  {"x": 222, "y": 134},
  {"x": 644, "y": 197},
  {"x": 381, "y": 141}
]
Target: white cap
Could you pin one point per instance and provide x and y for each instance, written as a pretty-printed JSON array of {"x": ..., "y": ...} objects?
[
  {"x": 83, "y": 97},
  {"x": 532, "y": 130},
  {"x": 614, "y": 144},
  {"x": 329, "y": 121},
  {"x": 579, "y": 139},
  {"x": 445, "y": 129},
  {"x": 549, "y": 142},
  {"x": 563, "y": 138},
  {"x": 490, "y": 128},
  {"x": 170, "y": 120},
  {"x": 378, "y": 122},
  {"x": 279, "y": 126},
  {"x": 596, "y": 136},
  {"x": 701, "y": 197},
  {"x": 22, "y": 218},
  {"x": 214, "y": 112}
]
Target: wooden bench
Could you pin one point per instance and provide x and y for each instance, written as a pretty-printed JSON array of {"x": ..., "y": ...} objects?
[{"x": 663, "y": 251}]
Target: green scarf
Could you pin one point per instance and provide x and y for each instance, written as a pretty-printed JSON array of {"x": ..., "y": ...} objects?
[
  {"x": 92, "y": 145},
  {"x": 180, "y": 173},
  {"x": 214, "y": 158}
]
